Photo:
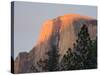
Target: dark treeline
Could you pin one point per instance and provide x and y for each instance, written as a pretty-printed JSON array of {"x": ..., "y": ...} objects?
[{"x": 82, "y": 56}]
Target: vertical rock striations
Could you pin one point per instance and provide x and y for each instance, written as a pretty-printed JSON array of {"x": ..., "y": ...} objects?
[{"x": 61, "y": 32}]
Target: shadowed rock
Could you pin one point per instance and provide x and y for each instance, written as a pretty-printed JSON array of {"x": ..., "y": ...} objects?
[{"x": 62, "y": 32}]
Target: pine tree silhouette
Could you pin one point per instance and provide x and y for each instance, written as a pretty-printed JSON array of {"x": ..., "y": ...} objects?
[{"x": 84, "y": 54}]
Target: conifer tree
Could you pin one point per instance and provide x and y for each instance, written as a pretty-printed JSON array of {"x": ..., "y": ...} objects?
[{"x": 84, "y": 54}]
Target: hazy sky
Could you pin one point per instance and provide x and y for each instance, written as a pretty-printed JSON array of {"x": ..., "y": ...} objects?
[{"x": 29, "y": 17}]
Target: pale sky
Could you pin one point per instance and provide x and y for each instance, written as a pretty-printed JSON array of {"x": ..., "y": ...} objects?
[{"x": 29, "y": 17}]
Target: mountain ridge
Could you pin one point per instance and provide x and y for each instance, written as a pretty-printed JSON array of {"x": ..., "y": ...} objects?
[{"x": 61, "y": 32}]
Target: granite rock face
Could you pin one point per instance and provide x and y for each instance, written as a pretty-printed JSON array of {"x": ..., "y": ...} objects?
[{"x": 61, "y": 32}]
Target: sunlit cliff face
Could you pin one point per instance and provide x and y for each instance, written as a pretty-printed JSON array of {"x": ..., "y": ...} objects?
[
  {"x": 67, "y": 30},
  {"x": 46, "y": 31},
  {"x": 66, "y": 21},
  {"x": 62, "y": 27},
  {"x": 61, "y": 32}
]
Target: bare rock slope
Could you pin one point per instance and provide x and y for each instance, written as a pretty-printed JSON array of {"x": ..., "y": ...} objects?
[{"x": 61, "y": 32}]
